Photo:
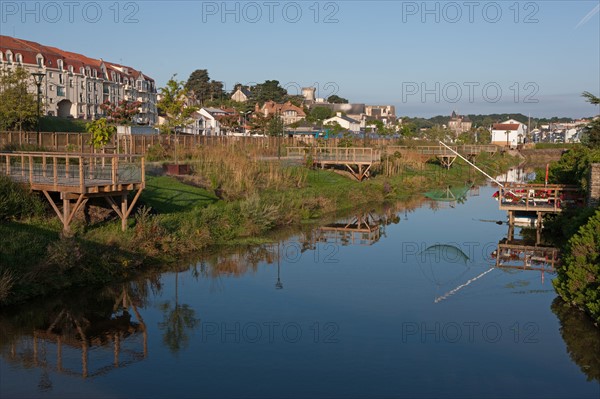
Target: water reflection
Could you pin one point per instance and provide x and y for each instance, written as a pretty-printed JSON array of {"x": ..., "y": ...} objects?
[
  {"x": 374, "y": 291},
  {"x": 581, "y": 337},
  {"x": 85, "y": 336},
  {"x": 178, "y": 321}
]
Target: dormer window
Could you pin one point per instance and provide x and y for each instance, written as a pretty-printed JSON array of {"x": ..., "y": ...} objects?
[
  {"x": 60, "y": 64},
  {"x": 19, "y": 58},
  {"x": 9, "y": 58},
  {"x": 1, "y": 59},
  {"x": 40, "y": 61},
  {"x": 82, "y": 71},
  {"x": 70, "y": 68}
]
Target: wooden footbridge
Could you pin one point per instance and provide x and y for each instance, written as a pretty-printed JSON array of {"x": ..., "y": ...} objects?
[
  {"x": 77, "y": 178},
  {"x": 445, "y": 154},
  {"x": 358, "y": 160}
]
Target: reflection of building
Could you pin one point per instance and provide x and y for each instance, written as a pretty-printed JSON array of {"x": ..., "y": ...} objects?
[{"x": 86, "y": 344}]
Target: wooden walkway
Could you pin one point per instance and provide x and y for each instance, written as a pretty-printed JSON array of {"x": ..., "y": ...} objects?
[
  {"x": 443, "y": 154},
  {"x": 358, "y": 160},
  {"x": 77, "y": 178}
]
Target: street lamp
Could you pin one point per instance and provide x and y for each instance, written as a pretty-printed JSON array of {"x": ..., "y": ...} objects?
[{"x": 38, "y": 77}]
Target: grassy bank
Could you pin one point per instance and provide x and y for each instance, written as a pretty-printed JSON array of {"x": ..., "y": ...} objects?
[{"x": 229, "y": 199}]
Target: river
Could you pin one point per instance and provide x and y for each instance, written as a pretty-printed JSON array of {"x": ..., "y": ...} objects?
[{"x": 411, "y": 305}]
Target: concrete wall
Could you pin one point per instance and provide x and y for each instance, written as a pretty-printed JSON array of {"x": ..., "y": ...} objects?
[{"x": 594, "y": 185}]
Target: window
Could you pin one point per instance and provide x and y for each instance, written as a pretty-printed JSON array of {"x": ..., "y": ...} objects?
[
  {"x": 0, "y": 57},
  {"x": 51, "y": 100},
  {"x": 9, "y": 57},
  {"x": 61, "y": 78},
  {"x": 70, "y": 68},
  {"x": 51, "y": 74},
  {"x": 40, "y": 61},
  {"x": 19, "y": 58},
  {"x": 60, "y": 64},
  {"x": 51, "y": 87},
  {"x": 70, "y": 82},
  {"x": 82, "y": 71}
]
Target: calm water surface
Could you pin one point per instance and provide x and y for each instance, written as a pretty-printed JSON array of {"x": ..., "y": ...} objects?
[{"x": 411, "y": 308}]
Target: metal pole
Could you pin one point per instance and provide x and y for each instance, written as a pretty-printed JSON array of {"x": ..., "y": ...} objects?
[{"x": 473, "y": 165}]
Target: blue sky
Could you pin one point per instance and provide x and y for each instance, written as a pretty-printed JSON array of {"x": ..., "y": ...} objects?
[{"x": 427, "y": 58}]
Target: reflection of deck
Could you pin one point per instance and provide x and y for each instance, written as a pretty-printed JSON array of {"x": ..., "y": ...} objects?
[
  {"x": 101, "y": 344},
  {"x": 359, "y": 230},
  {"x": 78, "y": 177},
  {"x": 357, "y": 160},
  {"x": 527, "y": 257}
]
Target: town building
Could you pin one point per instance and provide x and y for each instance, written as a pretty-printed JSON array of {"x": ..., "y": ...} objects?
[
  {"x": 384, "y": 113},
  {"x": 459, "y": 124},
  {"x": 350, "y": 124},
  {"x": 241, "y": 94},
  {"x": 75, "y": 86},
  {"x": 509, "y": 133},
  {"x": 289, "y": 112}
]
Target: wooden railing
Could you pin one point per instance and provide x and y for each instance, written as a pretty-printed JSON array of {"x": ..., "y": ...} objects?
[
  {"x": 440, "y": 150},
  {"x": 72, "y": 170},
  {"x": 336, "y": 154},
  {"x": 538, "y": 197}
]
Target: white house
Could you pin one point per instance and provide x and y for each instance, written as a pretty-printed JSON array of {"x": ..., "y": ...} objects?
[
  {"x": 508, "y": 133},
  {"x": 345, "y": 122}
]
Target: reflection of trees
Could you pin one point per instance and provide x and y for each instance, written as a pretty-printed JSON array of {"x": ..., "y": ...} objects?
[
  {"x": 581, "y": 337},
  {"x": 178, "y": 319}
]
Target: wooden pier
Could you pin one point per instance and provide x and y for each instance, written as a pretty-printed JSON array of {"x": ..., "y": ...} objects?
[
  {"x": 358, "y": 160},
  {"x": 77, "y": 178},
  {"x": 443, "y": 154},
  {"x": 538, "y": 198}
]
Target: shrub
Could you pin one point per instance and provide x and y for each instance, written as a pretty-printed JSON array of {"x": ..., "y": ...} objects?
[
  {"x": 578, "y": 281},
  {"x": 16, "y": 201}
]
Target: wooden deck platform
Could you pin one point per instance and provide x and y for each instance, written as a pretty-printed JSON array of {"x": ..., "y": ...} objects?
[
  {"x": 443, "y": 154},
  {"x": 358, "y": 160},
  {"x": 538, "y": 198},
  {"x": 78, "y": 177}
]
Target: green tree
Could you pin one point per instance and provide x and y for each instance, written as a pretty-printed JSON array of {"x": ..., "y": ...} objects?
[
  {"x": 578, "y": 277},
  {"x": 335, "y": 99},
  {"x": 18, "y": 107},
  {"x": 173, "y": 106},
  {"x": 198, "y": 84},
  {"x": 592, "y": 131},
  {"x": 269, "y": 90},
  {"x": 275, "y": 126},
  {"x": 121, "y": 113},
  {"x": 102, "y": 132},
  {"x": 319, "y": 114}
]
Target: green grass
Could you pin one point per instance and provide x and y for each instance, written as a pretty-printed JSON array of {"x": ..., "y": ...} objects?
[{"x": 168, "y": 195}]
